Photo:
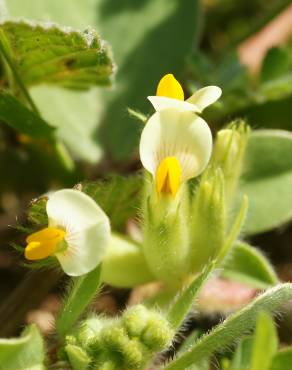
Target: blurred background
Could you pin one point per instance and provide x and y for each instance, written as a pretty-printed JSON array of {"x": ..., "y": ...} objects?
[{"x": 243, "y": 46}]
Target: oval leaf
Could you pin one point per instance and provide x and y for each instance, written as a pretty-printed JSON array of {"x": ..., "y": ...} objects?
[
  {"x": 248, "y": 265},
  {"x": 267, "y": 180},
  {"x": 24, "y": 353}
]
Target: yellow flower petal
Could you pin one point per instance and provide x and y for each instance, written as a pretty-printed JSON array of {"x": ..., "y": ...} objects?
[
  {"x": 169, "y": 87},
  {"x": 168, "y": 176},
  {"x": 43, "y": 243}
]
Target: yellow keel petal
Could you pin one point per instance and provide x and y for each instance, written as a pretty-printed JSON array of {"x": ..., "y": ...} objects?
[
  {"x": 37, "y": 251},
  {"x": 43, "y": 243},
  {"x": 168, "y": 176}
]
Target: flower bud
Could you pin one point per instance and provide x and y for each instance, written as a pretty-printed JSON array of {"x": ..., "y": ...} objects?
[
  {"x": 78, "y": 358},
  {"x": 208, "y": 221},
  {"x": 229, "y": 152},
  {"x": 158, "y": 334},
  {"x": 135, "y": 319}
]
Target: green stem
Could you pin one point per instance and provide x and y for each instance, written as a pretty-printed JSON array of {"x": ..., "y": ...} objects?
[{"x": 82, "y": 292}]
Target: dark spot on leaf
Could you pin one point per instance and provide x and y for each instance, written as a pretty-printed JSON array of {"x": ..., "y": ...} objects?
[{"x": 69, "y": 62}]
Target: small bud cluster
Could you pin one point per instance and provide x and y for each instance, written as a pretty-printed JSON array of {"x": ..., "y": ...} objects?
[{"x": 123, "y": 344}]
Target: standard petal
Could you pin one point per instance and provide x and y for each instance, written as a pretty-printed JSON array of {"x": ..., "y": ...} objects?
[
  {"x": 86, "y": 249},
  {"x": 161, "y": 102},
  {"x": 205, "y": 97},
  {"x": 87, "y": 230},
  {"x": 171, "y": 133}
]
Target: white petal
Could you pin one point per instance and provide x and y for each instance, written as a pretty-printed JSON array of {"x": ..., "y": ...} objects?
[
  {"x": 205, "y": 97},
  {"x": 86, "y": 249},
  {"x": 183, "y": 135},
  {"x": 162, "y": 102},
  {"x": 87, "y": 228}
]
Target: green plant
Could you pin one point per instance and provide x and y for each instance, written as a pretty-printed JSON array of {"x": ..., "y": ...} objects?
[{"x": 194, "y": 208}]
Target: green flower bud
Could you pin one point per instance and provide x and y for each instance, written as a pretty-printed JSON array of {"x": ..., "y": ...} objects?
[
  {"x": 118, "y": 344},
  {"x": 78, "y": 358},
  {"x": 158, "y": 334},
  {"x": 135, "y": 319},
  {"x": 208, "y": 221},
  {"x": 229, "y": 150},
  {"x": 89, "y": 332}
]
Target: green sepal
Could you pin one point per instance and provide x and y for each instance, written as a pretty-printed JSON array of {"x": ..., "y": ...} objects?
[
  {"x": 166, "y": 238},
  {"x": 208, "y": 219}
]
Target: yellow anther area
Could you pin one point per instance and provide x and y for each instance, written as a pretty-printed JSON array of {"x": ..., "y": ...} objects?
[
  {"x": 43, "y": 243},
  {"x": 169, "y": 87},
  {"x": 168, "y": 176}
]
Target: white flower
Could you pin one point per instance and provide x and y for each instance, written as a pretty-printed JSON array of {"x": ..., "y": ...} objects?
[
  {"x": 77, "y": 233},
  {"x": 170, "y": 95},
  {"x": 175, "y": 146}
]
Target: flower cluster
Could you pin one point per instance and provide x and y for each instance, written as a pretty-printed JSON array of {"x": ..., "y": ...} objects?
[
  {"x": 181, "y": 233},
  {"x": 126, "y": 343}
]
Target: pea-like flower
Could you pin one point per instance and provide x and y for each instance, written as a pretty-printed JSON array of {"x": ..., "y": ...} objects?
[
  {"x": 176, "y": 143},
  {"x": 170, "y": 94},
  {"x": 77, "y": 234}
]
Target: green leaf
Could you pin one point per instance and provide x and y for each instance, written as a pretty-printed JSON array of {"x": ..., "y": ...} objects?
[
  {"x": 24, "y": 353},
  {"x": 185, "y": 300},
  {"x": 156, "y": 41},
  {"x": 47, "y": 53},
  {"x": 74, "y": 114},
  {"x": 73, "y": 13},
  {"x": 187, "y": 343},
  {"x": 242, "y": 356},
  {"x": 37, "y": 212},
  {"x": 23, "y": 120},
  {"x": 82, "y": 292},
  {"x": 267, "y": 180},
  {"x": 248, "y": 265},
  {"x": 277, "y": 62},
  {"x": 163, "y": 35},
  {"x": 118, "y": 196},
  {"x": 282, "y": 360},
  {"x": 234, "y": 327},
  {"x": 276, "y": 89},
  {"x": 265, "y": 342}
]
